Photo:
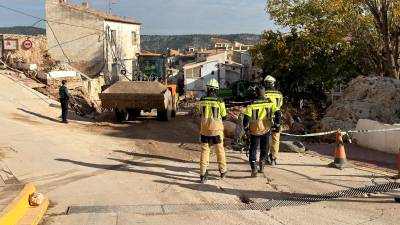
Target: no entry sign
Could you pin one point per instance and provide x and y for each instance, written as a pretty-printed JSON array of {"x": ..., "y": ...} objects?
[{"x": 27, "y": 44}]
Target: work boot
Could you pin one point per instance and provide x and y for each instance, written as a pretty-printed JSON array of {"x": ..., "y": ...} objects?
[
  {"x": 65, "y": 121},
  {"x": 262, "y": 166},
  {"x": 269, "y": 159},
  {"x": 203, "y": 179},
  {"x": 253, "y": 166},
  {"x": 223, "y": 175},
  {"x": 272, "y": 160}
]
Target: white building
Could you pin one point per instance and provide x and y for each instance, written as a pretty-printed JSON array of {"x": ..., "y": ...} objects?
[
  {"x": 197, "y": 74},
  {"x": 217, "y": 66},
  {"x": 244, "y": 58}
]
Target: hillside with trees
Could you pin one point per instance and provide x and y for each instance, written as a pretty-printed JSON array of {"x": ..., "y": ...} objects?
[
  {"x": 22, "y": 30},
  {"x": 160, "y": 43}
]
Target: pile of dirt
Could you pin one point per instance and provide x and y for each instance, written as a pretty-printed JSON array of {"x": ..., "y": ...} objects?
[{"x": 374, "y": 98}]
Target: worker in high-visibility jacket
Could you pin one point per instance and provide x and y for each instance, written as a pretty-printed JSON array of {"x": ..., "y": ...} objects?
[
  {"x": 213, "y": 111},
  {"x": 277, "y": 98},
  {"x": 259, "y": 120}
]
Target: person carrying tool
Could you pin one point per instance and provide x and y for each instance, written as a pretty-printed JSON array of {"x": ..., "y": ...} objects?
[
  {"x": 213, "y": 111},
  {"x": 64, "y": 100},
  {"x": 277, "y": 98},
  {"x": 258, "y": 119}
]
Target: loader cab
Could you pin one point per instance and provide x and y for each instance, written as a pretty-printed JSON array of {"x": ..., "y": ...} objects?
[{"x": 152, "y": 67}]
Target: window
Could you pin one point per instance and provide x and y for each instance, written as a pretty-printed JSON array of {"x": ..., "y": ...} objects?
[
  {"x": 133, "y": 37},
  {"x": 114, "y": 36},
  {"x": 193, "y": 72}
]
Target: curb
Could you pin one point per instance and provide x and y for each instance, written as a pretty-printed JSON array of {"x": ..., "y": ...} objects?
[{"x": 19, "y": 211}]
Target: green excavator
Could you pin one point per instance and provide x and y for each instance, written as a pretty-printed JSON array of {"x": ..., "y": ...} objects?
[{"x": 238, "y": 93}]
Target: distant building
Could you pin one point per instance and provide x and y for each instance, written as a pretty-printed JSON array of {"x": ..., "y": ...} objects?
[
  {"x": 217, "y": 65},
  {"x": 204, "y": 54},
  {"x": 244, "y": 58},
  {"x": 92, "y": 41},
  {"x": 237, "y": 46},
  {"x": 219, "y": 43},
  {"x": 197, "y": 74}
]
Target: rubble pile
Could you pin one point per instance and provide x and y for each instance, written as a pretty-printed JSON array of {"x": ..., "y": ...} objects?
[
  {"x": 53, "y": 66},
  {"x": 80, "y": 101},
  {"x": 374, "y": 98}
]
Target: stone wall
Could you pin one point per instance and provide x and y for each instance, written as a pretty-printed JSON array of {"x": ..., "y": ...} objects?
[{"x": 36, "y": 55}]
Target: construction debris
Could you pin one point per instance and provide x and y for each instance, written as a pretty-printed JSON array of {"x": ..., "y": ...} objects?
[
  {"x": 374, "y": 98},
  {"x": 292, "y": 146}
]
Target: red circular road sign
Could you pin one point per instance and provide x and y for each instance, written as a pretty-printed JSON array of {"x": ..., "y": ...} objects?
[{"x": 27, "y": 44}]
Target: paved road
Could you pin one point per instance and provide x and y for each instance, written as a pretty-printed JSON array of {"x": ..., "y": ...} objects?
[{"x": 106, "y": 173}]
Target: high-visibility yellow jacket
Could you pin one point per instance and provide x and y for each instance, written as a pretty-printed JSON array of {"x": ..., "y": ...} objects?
[
  {"x": 212, "y": 110},
  {"x": 260, "y": 113},
  {"x": 276, "y": 97}
]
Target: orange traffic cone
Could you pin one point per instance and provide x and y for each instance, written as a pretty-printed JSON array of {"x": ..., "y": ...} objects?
[{"x": 340, "y": 154}]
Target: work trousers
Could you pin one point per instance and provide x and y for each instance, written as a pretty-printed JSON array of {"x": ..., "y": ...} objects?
[
  {"x": 274, "y": 146},
  {"x": 205, "y": 152},
  {"x": 64, "y": 109},
  {"x": 256, "y": 141}
]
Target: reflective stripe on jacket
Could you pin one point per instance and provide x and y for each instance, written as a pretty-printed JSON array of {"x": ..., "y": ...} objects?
[
  {"x": 260, "y": 113},
  {"x": 212, "y": 111},
  {"x": 276, "y": 97}
]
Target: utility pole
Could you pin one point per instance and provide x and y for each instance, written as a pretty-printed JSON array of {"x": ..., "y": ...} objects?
[{"x": 110, "y": 3}]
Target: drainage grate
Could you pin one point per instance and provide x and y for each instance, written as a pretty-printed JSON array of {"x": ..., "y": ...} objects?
[{"x": 179, "y": 208}]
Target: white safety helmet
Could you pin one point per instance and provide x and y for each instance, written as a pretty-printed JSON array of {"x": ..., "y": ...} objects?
[
  {"x": 270, "y": 79},
  {"x": 213, "y": 84}
]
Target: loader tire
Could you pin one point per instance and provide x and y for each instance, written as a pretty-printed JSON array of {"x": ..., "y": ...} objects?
[
  {"x": 120, "y": 115},
  {"x": 133, "y": 114},
  {"x": 165, "y": 113}
]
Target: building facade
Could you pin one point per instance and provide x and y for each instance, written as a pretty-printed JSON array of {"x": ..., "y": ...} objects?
[
  {"x": 197, "y": 74},
  {"x": 244, "y": 58},
  {"x": 92, "y": 41}
]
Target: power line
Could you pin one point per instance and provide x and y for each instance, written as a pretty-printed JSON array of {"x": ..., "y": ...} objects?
[
  {"x": 34, "y": 24},
  {"x": 42, "y": 19},
  {"x": 114, "y": 54},
  {"x": 62, "y": 50},
  {"x": 77, "y": 39},
  {"x": 20, "y": 12}
]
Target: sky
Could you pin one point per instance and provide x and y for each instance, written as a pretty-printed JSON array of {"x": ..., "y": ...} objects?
[{"x": 164, "y": 16}]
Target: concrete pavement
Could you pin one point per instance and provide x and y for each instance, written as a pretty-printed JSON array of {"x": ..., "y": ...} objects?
[{"x": 150, "y": 163}]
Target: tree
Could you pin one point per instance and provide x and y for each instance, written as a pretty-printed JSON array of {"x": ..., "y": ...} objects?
[
  {"x": 373, "y": 25},
  {"x": 306, "y": 66}
]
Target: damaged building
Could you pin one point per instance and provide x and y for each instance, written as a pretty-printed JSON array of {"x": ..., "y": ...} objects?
[{"x": 94, "y": 42}]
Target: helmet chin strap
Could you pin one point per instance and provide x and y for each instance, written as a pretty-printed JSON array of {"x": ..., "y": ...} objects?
[
  {"x": 270, "y": 85},
  {"x": 211, "y": 91}
]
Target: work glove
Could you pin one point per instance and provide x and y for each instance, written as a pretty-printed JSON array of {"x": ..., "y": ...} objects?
[{"x": 276, "y": 128}]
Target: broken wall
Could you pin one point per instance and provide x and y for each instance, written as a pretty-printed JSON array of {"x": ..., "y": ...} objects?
[{"x": 36, "y": 55}]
